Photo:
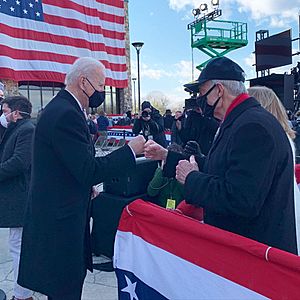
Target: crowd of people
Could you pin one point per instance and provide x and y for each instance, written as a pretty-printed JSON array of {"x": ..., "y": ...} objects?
[{"x": 230, "y": 164}]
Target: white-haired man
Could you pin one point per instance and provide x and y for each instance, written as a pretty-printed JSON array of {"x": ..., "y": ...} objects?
[
  {"x": 246, "y": 184},
  {"x": 56, "y": 241}
]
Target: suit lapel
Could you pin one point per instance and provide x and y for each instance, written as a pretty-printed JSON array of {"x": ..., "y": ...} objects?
[{"x": 65, "y": 94}]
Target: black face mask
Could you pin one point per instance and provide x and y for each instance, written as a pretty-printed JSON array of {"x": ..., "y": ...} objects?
[
  {"x": 97, "y": 98},
  {"x": 207, "y": 109}
]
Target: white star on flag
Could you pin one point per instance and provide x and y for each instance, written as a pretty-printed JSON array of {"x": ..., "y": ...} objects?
[
  {"x": 130, "y": 288},
  {"x": 25, "y": 11},
  {"x": 18, "y": 2},
  {"x": 12, "y": 8},
  {"x": 31, "y": 5}
]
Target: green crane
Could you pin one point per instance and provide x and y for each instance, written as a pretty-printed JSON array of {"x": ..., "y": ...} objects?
[{"x": 217, "y": 37}]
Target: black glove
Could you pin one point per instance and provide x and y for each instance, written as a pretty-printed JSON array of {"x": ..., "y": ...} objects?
[{"x": 192, "y": 148}]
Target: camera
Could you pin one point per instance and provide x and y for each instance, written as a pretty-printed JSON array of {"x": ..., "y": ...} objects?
[
  {"x": 145, "y": 114},
  {"x": 191, "y": 103}
]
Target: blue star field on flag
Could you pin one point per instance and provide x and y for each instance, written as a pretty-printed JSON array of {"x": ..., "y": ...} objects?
[
  {"x": 28, "y": 9},
  {"x": 132, "y": 288}
]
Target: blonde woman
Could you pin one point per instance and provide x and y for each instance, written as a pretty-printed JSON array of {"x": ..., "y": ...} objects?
[{"x": 268, "y": 100}]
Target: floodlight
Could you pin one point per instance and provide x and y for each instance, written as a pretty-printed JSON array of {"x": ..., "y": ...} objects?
[
  {"x": 196, "y": 12},
  {"x": 203, "y": 7},
  {"x": 215, "y": 2}
]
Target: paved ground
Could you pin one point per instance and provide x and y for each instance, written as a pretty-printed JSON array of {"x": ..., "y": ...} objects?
[{"x": 97, "y": 286}]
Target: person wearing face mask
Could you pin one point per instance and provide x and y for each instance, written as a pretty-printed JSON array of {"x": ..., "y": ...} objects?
[
  {"x": 150, "y": 124},
  {"x": 199, "y": 127},
  {"x": 246, "y": 183},
  {"x": 15, "y": 162},
  {"x": 56, "y": 250}
]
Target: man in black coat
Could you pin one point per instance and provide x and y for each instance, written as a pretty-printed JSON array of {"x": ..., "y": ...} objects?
[
  {"x": 246, "y": 184},
  {"x": 150, "y": 124},
  {"x": 168, "y": 120},
  {"x": 56, "y": 250},
  {"x": 15, "y": 162},
  {"x": 200, "y": 128}
]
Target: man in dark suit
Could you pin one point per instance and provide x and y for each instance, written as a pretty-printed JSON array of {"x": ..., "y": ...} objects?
[
  {"x": 56, "y": 249},
  {"x": 15, "y": 162},
  {"x": 246, "y": 184}
]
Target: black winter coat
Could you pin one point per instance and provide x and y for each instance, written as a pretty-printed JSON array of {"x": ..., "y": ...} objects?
[
  {"x": 246, "y": 186},
  {"x": 153, "y": 127},
  {"x": 15, "y": 162},
  {"x": 56, "y": 248},
  {"x": 200, "y": 129}
]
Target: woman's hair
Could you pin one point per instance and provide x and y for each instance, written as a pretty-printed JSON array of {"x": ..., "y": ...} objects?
[{"x": 268, "y": 100}]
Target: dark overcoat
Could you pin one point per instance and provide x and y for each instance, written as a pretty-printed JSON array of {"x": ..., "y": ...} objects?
[
  {"x": 155, "y": 126},
  {"x": 56, "y": 248},
  {"x": 246, "y": 186},
  {"x": 15, "y": 162}
]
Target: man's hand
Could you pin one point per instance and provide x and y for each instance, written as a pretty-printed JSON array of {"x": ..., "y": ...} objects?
[
  {"x": 184, "y": 168},
  {"x": 155, "y": 151},
  {"x": 137, "y": 144}
]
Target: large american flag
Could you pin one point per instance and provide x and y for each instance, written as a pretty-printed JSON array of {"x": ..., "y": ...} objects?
[{"x": 40, "y": 39}]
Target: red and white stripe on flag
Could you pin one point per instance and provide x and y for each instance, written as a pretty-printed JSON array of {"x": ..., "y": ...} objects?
[
  {"x": 40, "y": 39},
  {"x": 181, "y": 258}
]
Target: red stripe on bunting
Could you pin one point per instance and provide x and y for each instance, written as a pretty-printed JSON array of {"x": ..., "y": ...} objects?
[{"x": 231, "y": 256}]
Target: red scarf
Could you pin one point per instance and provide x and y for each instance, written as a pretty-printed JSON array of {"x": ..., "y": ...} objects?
[{"x": 237, "y": 101}]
